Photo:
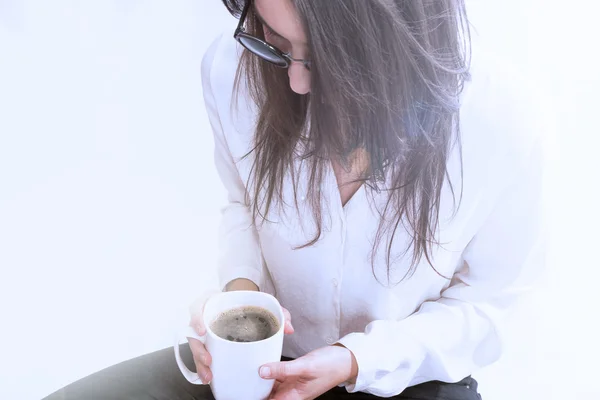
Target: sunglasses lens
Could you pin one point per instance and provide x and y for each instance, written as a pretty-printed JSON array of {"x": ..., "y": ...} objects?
[{"x": 263, "y": 51}]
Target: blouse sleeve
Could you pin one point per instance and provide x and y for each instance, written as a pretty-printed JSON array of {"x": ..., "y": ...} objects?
[
  {"x": 239, "y": 250},
  {"x": 449, "y": 338}
]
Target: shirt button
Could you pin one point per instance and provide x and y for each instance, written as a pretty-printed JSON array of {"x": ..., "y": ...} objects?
[
  {"x": 330, "y": 340},
  {"x": 334, "y": 282}
]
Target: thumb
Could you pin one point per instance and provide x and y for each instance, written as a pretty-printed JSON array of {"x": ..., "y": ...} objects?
[
  {"x": 197, "y": 309},
  {"x": 282, "y": 370}
]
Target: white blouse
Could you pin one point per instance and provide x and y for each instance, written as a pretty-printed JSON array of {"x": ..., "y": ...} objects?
[{"x": 425, "y": 327}]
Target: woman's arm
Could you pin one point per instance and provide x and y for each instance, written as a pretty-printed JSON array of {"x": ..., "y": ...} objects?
[
  {"x": 453, "y": 336},
  {"x": 450, "y": 338},
  {"x": 240, "y": 260}
]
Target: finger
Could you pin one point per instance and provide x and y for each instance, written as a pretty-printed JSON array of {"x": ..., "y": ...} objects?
[
  {"x": 197, "y": 312},
  {"x": 285, "y": 393},
  {"x": 283, "y": 370},
  {"x": 279, "y": 392},
  {"x": 204, "y": 373},
  {"x": 287, "y": 328},
  {"x": 274, "y": 390},
  {"x": 202, "y": 359},
  {"x": 197, "y": 323},
  {"x": 199, "y": 352}
]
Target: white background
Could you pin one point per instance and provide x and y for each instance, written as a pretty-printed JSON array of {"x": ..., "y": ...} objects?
[{"x": 109, "y": 202}]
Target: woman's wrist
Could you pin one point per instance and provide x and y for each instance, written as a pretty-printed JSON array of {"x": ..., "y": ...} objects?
[
  {"x": 241, "y": 284},
  {"x": 350, "y": 378}
]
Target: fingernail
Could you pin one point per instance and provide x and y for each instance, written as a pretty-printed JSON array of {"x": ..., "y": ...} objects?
[{"x": 265, "y": 372}]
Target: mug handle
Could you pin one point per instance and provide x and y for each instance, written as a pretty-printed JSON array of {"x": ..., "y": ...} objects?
[{"x": 192, "y": 377}]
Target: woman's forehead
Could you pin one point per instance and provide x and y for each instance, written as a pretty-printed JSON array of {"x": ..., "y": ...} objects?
[{"x": 281, "y": 17}]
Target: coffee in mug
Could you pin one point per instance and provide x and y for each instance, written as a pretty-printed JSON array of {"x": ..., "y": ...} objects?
[{"x": 245, "y": 324}]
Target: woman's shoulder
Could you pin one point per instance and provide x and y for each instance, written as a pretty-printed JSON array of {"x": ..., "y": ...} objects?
[
  {"x": 219, "y": 70},
  {"x": 503, "y": 113},
  {"x": 219, "y": 63}
]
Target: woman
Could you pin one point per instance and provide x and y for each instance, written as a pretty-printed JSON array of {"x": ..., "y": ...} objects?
[{"x": 394, "y": 233}]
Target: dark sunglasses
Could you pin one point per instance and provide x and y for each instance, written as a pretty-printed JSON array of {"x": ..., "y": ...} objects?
[{"x": 261, "y": 48}]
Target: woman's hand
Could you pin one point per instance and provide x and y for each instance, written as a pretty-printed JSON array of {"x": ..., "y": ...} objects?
[
  {"x": 310, "y": 376},
  {"x": 202, "y": 358}
]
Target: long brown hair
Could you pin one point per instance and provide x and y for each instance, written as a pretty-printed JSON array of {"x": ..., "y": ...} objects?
[{"x": 385, "y": 77}]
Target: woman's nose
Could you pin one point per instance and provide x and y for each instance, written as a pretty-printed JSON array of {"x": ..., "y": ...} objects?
[{"x": 299, "y": 78}]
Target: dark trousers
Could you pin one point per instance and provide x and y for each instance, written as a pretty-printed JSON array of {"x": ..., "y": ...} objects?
[{"x": 155, "y": 376}]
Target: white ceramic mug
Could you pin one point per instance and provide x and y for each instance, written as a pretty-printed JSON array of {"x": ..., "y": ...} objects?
[{"x": 235, "y": 365}]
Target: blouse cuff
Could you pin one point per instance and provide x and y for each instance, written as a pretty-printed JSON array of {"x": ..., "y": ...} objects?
[{"x": 371, "y": 366}]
